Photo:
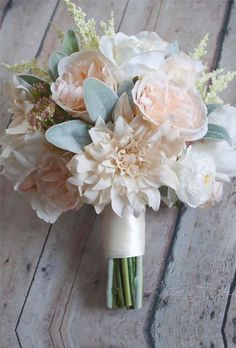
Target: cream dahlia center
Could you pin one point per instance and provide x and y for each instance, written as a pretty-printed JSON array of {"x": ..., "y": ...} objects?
[{"x": 130, "y": 159}]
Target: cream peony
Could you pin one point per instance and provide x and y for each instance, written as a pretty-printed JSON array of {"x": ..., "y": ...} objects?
[
  {"x": 160, "y": 97},
  {"x": 182, "y": 67},
  {"x": 134, "y": 55},
  {"x": 67, "y": 91},
  {"x": 126, "y": 166},
  {"x": 40, "y": 173},
  {"x": 196, "y": 173}
]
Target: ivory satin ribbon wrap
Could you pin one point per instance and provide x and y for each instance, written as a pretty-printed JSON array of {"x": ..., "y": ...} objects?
[{"x": 122, "y": 236}]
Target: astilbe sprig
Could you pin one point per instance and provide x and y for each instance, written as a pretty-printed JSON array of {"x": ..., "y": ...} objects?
[
  {"x": 201, "y": 50},
  {"x": 86, "y": 28},
  {"x": 108, "y": 28},
  {"x": 212, "y": 83},
  {"x": 28, "y": 67}
]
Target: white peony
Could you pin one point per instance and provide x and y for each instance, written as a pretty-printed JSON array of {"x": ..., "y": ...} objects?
[
  {"x": 196, "y": 173},
  {"x": 134, "y": 55},
  {"x": 223, "y": 154},
  {"x": 126, "y": 166},
  {"x": 40, "y": 173},
  {"x": 208, "y": 163}
]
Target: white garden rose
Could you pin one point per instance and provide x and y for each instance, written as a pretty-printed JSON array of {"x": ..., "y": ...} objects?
[
  {"x": 196, "y": 173},
  {"x": 223, "y": 154},
  {"x": 40, "y": 173},
  {"x": 160, "y": 97},
  {"x": 134, "y": 55},
  {"x": 126, "y": 166},
  {"x": 67, "y": 90}
]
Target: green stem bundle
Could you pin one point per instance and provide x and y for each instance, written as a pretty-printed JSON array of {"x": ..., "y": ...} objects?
[{"x": 125, "y": 283}]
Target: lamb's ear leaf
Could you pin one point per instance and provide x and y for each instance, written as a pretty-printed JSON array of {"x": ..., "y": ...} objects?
[
  {"x": 174, "y": 48},
  {"x": 53, "y": 63},
  {"x": 70, "y": 43},
  {"x": 217, "y": 132},
  {"x": 126, "y": 87},
  {"x": 99, "y": 99},
  {"x": 212, "y": 107},
  {"x": 70, "y": 135}
]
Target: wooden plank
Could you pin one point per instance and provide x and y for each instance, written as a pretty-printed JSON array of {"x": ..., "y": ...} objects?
[
  {"x": 58, "y": 295},
  {"x": 190, "y": 306},
  {"x": 227, "y": 61},
  {"x": 55, "y": 282},
  {"x": 22, "y": 233}
]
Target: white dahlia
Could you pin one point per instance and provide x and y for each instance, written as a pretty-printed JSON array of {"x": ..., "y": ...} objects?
[{"x": 126, "y": 166}]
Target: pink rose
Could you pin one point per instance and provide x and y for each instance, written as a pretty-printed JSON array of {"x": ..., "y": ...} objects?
[
  {"x": 49, "y": 188},
  {"x": 67, "y": 91},
  {"x": 160, "y": 97}
]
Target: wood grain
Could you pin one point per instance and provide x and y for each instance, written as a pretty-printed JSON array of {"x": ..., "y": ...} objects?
[
  {"x": 190, "y": 305},
  {"x": 228, "y": 61},
  {"x": 65, "y": 302},
  {"x": 22, "y": 233}
]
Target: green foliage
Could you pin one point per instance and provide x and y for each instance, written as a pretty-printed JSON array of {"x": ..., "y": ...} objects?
[
  {"x": 86, "y": 29},
  {"x": 28, "y": 68},
  {"x": 53, "y": 63},
  {"x": 108, "y": 28},
  {"x": 212, "y": 107},
  {"x": 70, "y": 43},
  {"x": 174, "y": 48},
  {"x": 99, "y": 99},
  {"x": 71, "y": 135},
  {"x": 201, "y": 50},
  {"x": 213, "y": 83},
  {"x": 217, "y": 132}
]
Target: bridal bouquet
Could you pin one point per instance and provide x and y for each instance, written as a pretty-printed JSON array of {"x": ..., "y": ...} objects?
[{"x": 119, "y": 122}]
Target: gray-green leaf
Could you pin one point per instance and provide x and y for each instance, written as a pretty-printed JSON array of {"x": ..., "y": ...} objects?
[
  {"x": 126, "y": 87},
  {"x": 70, "y": 135},
  {"x": 53, "y": 63},
  {"x": 99, "y": 99},
  {"x": 212, "y": 107},
  {"x": 174, "y": 48},
  {"x": 216, "y": 132},
  {"x": 70, "y": 43},
  {"x": 31, "y": 79}
]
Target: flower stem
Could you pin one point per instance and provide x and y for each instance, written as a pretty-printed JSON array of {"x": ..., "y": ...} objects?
[{"x": 125, "y": 282}]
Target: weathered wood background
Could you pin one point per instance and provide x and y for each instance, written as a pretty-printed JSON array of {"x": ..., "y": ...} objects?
[{"x": 53, "y": 277}]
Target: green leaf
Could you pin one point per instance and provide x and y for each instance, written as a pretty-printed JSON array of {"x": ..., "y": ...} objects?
[
  {"x": 126, "y": 87},
  {"x": 70, "y": 135},
  {"x": 174, "y": 48},
  {"x": 70, "y": 43},
  {"x": 216, "y": 132},
  {"x": 32, "y": 80},
  {"x": 212, "y": 107},
  {"x": 99, "y": 99},
  {"x": 53, "y": 63}
]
